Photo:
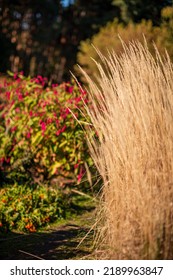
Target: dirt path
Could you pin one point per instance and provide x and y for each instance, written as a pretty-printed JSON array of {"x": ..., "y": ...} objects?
[{"x": 55, "y": 243}]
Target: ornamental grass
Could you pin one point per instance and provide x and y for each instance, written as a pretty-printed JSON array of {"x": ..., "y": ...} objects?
[{"x": 132, "y": 112}]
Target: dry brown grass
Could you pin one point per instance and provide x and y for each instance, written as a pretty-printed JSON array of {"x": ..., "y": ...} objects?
[{"x": 132, "y": 111}]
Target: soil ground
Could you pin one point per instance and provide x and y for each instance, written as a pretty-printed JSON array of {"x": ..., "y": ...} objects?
[{"x": 58, "y": 242}]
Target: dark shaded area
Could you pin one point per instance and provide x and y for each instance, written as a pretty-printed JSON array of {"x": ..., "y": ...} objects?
[
  {"x": 135, "y": 10},
  {"x": 55, "y": 244},
  {"x": 42, "y": 37}
]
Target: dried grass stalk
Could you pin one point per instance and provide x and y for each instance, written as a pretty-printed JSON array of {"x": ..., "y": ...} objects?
[{"x": 132, "y": 111}]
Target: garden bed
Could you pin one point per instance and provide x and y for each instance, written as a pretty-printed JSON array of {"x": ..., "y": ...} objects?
[{"x": 56, "y": 242}]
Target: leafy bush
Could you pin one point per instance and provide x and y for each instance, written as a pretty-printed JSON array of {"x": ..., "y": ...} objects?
[
  {"x": 107, "y": 39},
  {"x": 28, "y": 207},
  {"x": 166, "y": 35},
  {"x": 40, "y": 132}
]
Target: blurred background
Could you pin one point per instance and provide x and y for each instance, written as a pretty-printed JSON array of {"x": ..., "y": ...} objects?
[{"x": 49, "y": 37}]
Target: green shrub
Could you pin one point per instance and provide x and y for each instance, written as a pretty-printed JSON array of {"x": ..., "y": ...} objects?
[
  {"x": 41, "y": 136},
  {"x": 26, "y": 208},
  {"x": 107, "y": 39}
]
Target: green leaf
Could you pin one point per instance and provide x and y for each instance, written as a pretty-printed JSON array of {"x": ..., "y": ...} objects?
[
  {"x": 54, "y": 167},
  {"x": 63, "y": 143},
  {"x": 37, "y": 138}
]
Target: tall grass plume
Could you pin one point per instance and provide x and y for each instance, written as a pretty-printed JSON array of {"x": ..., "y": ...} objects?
[{"x": 132, "y": 112}]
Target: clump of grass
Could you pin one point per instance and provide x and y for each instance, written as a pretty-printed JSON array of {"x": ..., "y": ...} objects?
[{"x": 132, "y": 112}]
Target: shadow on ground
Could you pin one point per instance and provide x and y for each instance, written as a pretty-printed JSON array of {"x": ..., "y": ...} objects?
[{"x": 57, "y": 244}]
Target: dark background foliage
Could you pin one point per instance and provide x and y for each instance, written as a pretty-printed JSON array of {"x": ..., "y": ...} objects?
[{"x": 43, "y": 36}]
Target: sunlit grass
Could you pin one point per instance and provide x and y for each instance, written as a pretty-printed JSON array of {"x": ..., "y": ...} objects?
[{"x": 132, "y": 112}]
